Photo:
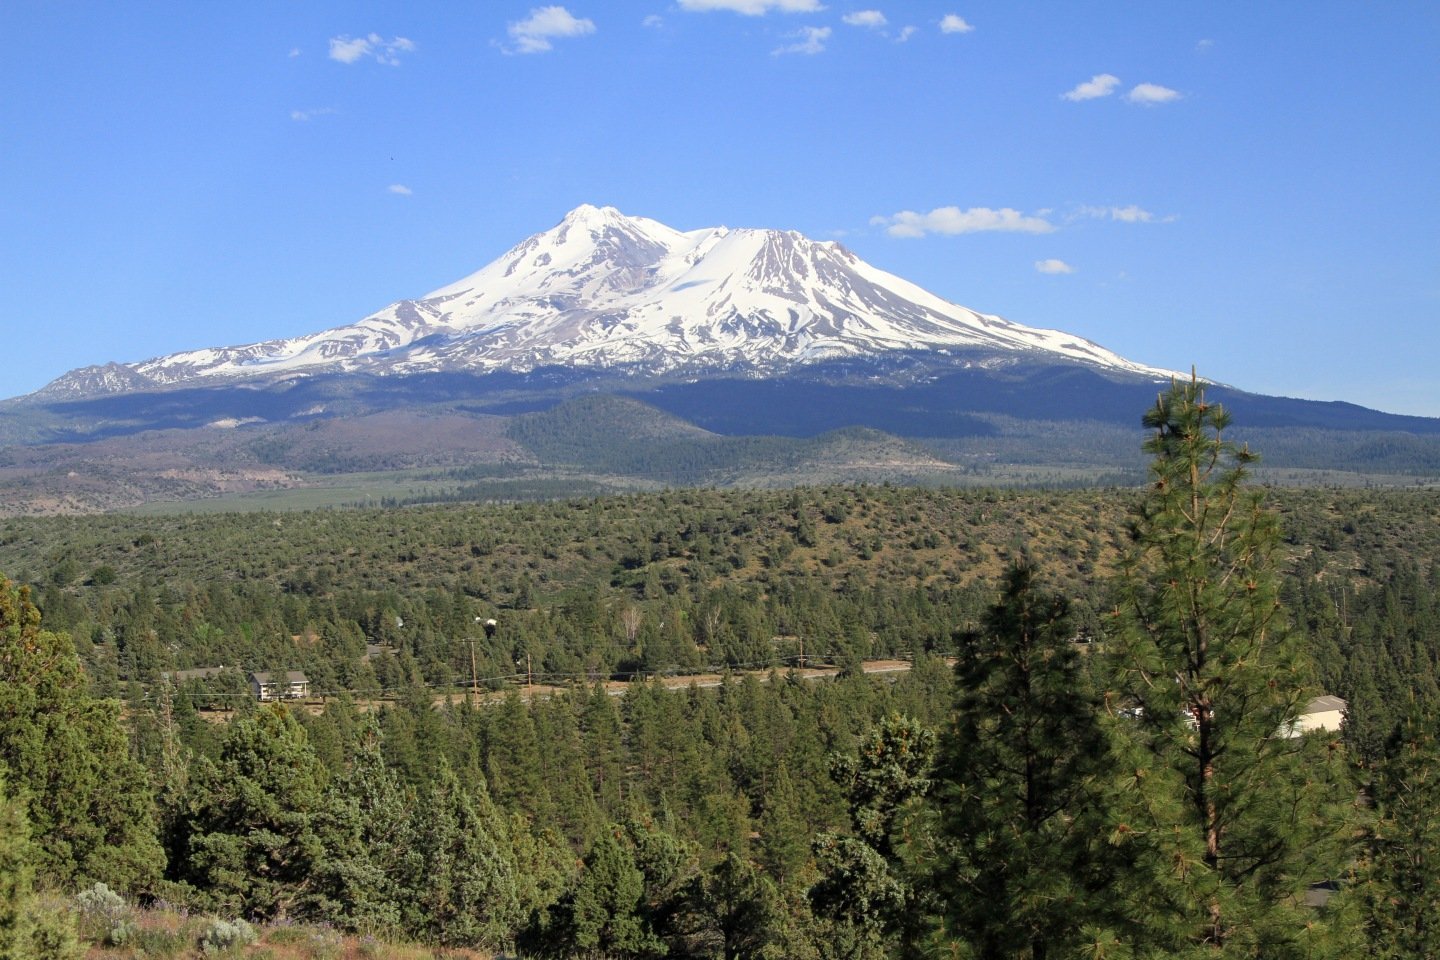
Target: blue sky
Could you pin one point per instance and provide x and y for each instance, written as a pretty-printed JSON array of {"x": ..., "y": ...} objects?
[{"x": 1250, "y": 188}]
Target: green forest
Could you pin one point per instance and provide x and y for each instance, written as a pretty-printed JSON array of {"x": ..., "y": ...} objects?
[{"x": 1085, "y": 744}]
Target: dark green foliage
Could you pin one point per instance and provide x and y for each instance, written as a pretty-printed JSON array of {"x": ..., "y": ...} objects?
[
  {"x": 1239, "y": 817},
  {"x": 67, "y": 753},
  {"x": 368, "y": 825},
  {"x": 721, "y": 790},
  {"x": 29, "y": 929},
  {"x": 1401, "y": 893},
  {"x": 1026, "y": 860},
  {"x": 16, "y": 879},
  {"x": 251, "y": 840},
  {"x": 862, "y": 883},
  {"x": 606, "y": 915},
  {"x": 732, "y": 912},
  {"x": 462, "y": 885}
]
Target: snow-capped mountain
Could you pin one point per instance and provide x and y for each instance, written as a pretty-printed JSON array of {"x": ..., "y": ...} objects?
[{"x": 601, "y": 290}]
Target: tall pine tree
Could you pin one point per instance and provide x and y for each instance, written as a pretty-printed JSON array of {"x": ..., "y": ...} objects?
[
  {"x": 1240, "y": 817},
  {"x": 1401, "y": 895},
  {"x": 1024, "y": 866}
]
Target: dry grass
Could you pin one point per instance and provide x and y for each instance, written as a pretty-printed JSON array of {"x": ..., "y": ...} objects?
[{"x": 168, "y": 934}]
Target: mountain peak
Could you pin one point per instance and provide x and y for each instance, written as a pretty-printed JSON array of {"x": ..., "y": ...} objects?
[
  {"x": 589, "y": 213},
  {"x": 603, "y": 290}
]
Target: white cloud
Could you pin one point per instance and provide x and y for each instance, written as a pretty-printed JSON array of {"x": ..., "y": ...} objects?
[
  {"x": 1130, "y": 214},
  {"x": 1053, "y": 266},
  {"x": 753, "y": 8},
  {"x": 1100, "y": 85},
  {"x": 905, "y": 34},
  {"x": 303, "y": 115},
  {"x": 347, "y": 49},
  {"x": 953, "y": 220},
  {"x": 865, "y": 18},
  {"x": 400, "y": 189},
  {"x": 1204, "y": 46},
  {"x": 534, "y": 33},
  {"x": 810, "y": 40},
  {"x": 294, "y": 52},
  {"x": 954, "y": 23},
  {"x": 1149, "y": 94},
  {"x": 654, "y": 21}
]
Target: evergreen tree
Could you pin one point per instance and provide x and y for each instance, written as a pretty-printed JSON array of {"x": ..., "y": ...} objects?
[
  {"x": 28, "y": 930},
  {"x": 367, "y": 828},
  {"x": 252, "y": 841},
  {"x": 862, "y": 883},
  {"x": 732, "y": 912},
  {"x": 1024, "y": 867},
  {"x": 782, "y": 848},
  {"x": 1401, "y": 893},
  {"x": 16, "y": 876},
  {"x": 464, "y": 890},
  {"x": 69, "y": 754},
  {"x": 605, "y": 914},
  {"x": 1241, "y": 817}
]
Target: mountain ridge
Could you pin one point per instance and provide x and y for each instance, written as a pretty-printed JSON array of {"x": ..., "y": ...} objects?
[{"x": 603, "y": 291}]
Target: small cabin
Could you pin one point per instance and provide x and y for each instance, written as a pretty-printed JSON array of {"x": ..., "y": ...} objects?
[{"x": 266, "y": 687}]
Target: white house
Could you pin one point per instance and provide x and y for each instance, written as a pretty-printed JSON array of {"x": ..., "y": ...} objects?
[
  {"x": 267, "y": 686},
  {"x": 1322, "y": 713}
]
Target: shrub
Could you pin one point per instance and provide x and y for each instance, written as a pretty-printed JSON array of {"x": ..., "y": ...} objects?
[
  {"x": 53, "y": 935},
  {"x": 220, "y": 936},
  {"x": 105, "y": 917}
]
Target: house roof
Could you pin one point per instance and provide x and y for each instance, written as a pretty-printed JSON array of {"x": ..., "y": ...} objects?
[
  {"x": 1324, "y": 704},
  {"x": 198, "y": 673},
  {"x": 291, "y": 676}
]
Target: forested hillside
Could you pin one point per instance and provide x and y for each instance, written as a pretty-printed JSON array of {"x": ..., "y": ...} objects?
[{"x": 554, "y": 814}]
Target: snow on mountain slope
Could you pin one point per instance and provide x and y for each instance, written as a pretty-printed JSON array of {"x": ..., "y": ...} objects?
[{"x": 602, "y": 290}]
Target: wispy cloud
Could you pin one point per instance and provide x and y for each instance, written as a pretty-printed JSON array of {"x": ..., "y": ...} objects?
[
  {"x": 1053, "y": 266},
  {"x": 1204, "y": 46},
  {"x": 535, "y": 33},
  {"x": 954, "y": 23},
  {"x": 302, "y": 116},
  {"x": 865, "y": 18},
  {"x": 1150, "y": 94},
  {"x": 906, "y": 33},
  {"x": 294, "y": 52},
  {"x": 654, "y": 21},
  {"x": 1100, "y": 85},
  {"x": 809, "y": 40},
  {"x": 953, "y": 220},
  {"x": 347, "y": 49},
  {"x": 753, "y": 8},
  {"x": 400, "y": 189},
  {"x": 1130, "y": 214}
]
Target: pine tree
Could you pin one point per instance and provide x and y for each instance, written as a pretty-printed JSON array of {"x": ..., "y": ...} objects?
[
  {"x": 463, "y": 890},
  {"x": 252, "y": 840},
  {"x": 16, "y": 876},
  {"x": 605, "y": 914},
  {"x": 367, "y": 831},
  {"x": 1401, "y": 892},
  {"x": 863, "y": 886},
  {"x": 1240, "y": 817},
  {"x": 1023, "y": 867},
  {"x": 28, "y": 930},
  {"x": 70, "y": 755},
  {"x": 732, "y": 911}
]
